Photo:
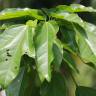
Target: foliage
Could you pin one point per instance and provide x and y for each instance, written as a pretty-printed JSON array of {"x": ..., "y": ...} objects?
[{"x": 37, "y": 50}]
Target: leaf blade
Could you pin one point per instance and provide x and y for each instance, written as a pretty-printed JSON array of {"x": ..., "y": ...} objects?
[
  {"x": 15, "y": 44},
  {"x": 43, "y": 46},
  {"x": 85, "y": 91},
  {"x": 16, "y": 13}
]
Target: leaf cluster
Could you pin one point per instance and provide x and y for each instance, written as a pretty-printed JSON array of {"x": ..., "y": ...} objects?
[{"x": 37, "y": 53}]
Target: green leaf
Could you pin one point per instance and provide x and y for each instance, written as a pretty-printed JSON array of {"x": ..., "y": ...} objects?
[
  {"x": 15, "y": 88},
  {"x": 68, "y": 38},
  {"x": 14, "y": 42},
  {"x": 15, "y": 13},
  {"x": 69, "y": 60},
  {"x": 56, "y": 87},
  {"x": 58, "y": 54},
  {"x": 74, "y": 8},
  {"x": 32, "y": 23},
  {"x": 85, "y": 91},
  {"x": 82, "y": 37},
  {"x": 91, "y": 36},
  {"x": 68, "y": 12},
  {"x": 70, "y": 17},
  {"x": 4, "y": 26},
  {"x": 45, "y": 36},
  {"x": 24, "y": 83},
  {"x": 65, "y": 15},
  {"x": 86, "y": 43}
]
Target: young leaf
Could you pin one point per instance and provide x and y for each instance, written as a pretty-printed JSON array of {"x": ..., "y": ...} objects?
[
  {"x": 45, "y": 36},
  {"x": 68, "y": 12},
  {"x": 85, "y": 91},
  {"x": 14, "y": 42},
  {"x": 15, "y": 13},
  {"x": 70, "y": 17},
  {"x": 75, "y": 8},
  {"x": 56, "y": 87}
]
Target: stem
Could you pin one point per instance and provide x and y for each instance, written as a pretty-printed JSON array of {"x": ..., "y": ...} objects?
[{"x": 73, "y": 79}]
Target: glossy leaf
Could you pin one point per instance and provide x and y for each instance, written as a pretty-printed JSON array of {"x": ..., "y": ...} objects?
[
  {"x": 75, "y": 8},
  {"x": 15, "y": 13},
  {"x": 70, "y": 61},
  {"x": 85, "y": 91},
  {"x": 70, "y": 17},
  {"x": 45, "y": 36},
  {"x": 58, "y": 54},
  {"x": 14, "y": 42},
  {"x": 68, "y": 38},
  {"x": 52, "y": 44},
  {"x": 84, "y": 36},
  {"x": 24, "y": 83},
  {"x": 56, "y": 87},
  {"x": 68, "y": 12},
  {"x": 91, "y": 36},
  {"x": 86, "y": 52}
]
